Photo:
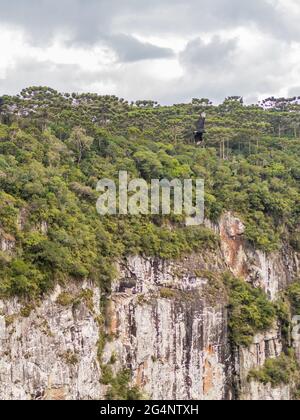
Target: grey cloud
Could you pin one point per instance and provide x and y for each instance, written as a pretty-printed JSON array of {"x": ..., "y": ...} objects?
[
  {"x": 194, "y": 16},
  {"x": 234, "y": 73},
  {"x": 294, "y": 91},
  {"x": 215, "y": 54},
  {"x": 63, "y": 77},
  {"x": 217, "y": 69},
  {"x": 128, "y": 81},
  {"x": 129, "y": 49},
  {"x": 87, "y": 20},
  {"x": 44, "y": 19},
  {"x": 85, "y": 24}
]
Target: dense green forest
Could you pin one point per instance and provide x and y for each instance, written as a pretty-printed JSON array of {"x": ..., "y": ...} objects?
[{"x": 55, "y": 147}]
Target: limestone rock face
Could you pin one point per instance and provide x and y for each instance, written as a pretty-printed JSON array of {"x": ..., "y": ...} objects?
[
  {"x": 172, "y": 337},
  {"x": 167, "y": 322},
  {"x": 51, "y": 352},
  {"x": 265, "y": 346},
  {"x": 7, "y": 243},
  {"x": 272, "y": 272}
]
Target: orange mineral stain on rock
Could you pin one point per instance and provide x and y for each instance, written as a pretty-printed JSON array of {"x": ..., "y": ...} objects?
[
  {"x": 232, "y": 243},
  {"x": 207, "y": 377},
  {"x": 112, "y": 318},
  {"x": 53, "y": 394}
]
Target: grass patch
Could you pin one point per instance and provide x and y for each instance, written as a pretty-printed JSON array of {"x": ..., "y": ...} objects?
[
  {"x": 178, "y": 295},
  {"x": 10, "y": 319},
  {"x": 283, "y": 370},
  {"x": 65, "y": 299},
  {"x": 70, "y": 358},
  {"x": 119, "y": 386},
  {"x": 166, "y": 293},
  {"x": 26, "y": 311}
]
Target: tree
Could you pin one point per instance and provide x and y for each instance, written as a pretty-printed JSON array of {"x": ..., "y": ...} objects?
[
  {"x": 1, "y": 107},
  {"x": 201, "y": 103},
  {"x": 295, "y": 124},
  {"x": 79, "y": 142},
  {"x": 221, "y": 136},
  {"x": 257, "y": 176},
  {"x": 148, "y": 164},
  {"x": 176, "y": 128}
]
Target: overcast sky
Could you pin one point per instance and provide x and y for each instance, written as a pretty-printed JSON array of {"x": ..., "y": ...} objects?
[{"x": 166, "y": 50}]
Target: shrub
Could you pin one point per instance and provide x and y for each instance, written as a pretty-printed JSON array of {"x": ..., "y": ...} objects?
[
  {"x": 22, "y": 279},
  {"x": 166, "y": 293},
  {"x": 70, "y": 358},
  {"x": 120, "y": 388},
  {"x": 250, "y": 311},
  {"x": 65, "y": 299},
  {"x": 295, "y": 241},
  {"x": 283, "y": 370},
  {"x": 293, "y": 294}
]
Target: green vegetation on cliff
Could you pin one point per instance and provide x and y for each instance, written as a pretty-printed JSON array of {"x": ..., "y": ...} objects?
[
  {"x": 293, "y": 294},
  {"x": 281, "y": 371},
  {"x": 119, "y": 388},
  {"x": 54, "y": 148},
  {"x": 250, "y": 311}
]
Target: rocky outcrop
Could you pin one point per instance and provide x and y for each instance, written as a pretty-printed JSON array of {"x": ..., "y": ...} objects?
[
  {"x": 165, "y": 321},
  {"x": 7, "y": 243},
  {"x": 272, "y": 272},
  {"x": 169, "y": 325},
  {"x": 260, "y": 392},
  {"x": 264, "y": 346},
  {"x": 50, "y": 352},
  {"x": 296, "y": 336}
]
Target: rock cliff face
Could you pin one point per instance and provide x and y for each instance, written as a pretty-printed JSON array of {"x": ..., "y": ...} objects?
[
  {"x": 264, "y": 346},
  {"x": 166, "y": 322},
  {"x": 50, "y": 352},
  {"x": 272, "y": 272},
  {"x": 171, "y": 330}
]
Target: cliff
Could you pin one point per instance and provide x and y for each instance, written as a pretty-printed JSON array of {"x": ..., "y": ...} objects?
[{"x": 167, "y": 322}]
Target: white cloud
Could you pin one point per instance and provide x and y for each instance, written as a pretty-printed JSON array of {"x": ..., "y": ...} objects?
[{"x": 168, "y": 50}]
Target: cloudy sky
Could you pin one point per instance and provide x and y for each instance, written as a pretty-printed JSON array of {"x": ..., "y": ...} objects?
[{"x": 166, "y": 50}]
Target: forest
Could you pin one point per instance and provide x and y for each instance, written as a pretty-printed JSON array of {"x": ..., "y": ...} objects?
[{"x": 55, "y": 147}]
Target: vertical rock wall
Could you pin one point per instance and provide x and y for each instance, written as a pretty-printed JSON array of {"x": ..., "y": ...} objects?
[
  {"x": 50, "y": 352},
  {"x": 166, "y": 322},
  {"x": 167, "y": 331}
]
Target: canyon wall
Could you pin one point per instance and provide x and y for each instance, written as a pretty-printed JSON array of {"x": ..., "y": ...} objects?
[
  {"x": 166, "y": 322},
  {"x": 50, "y": 351}
]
